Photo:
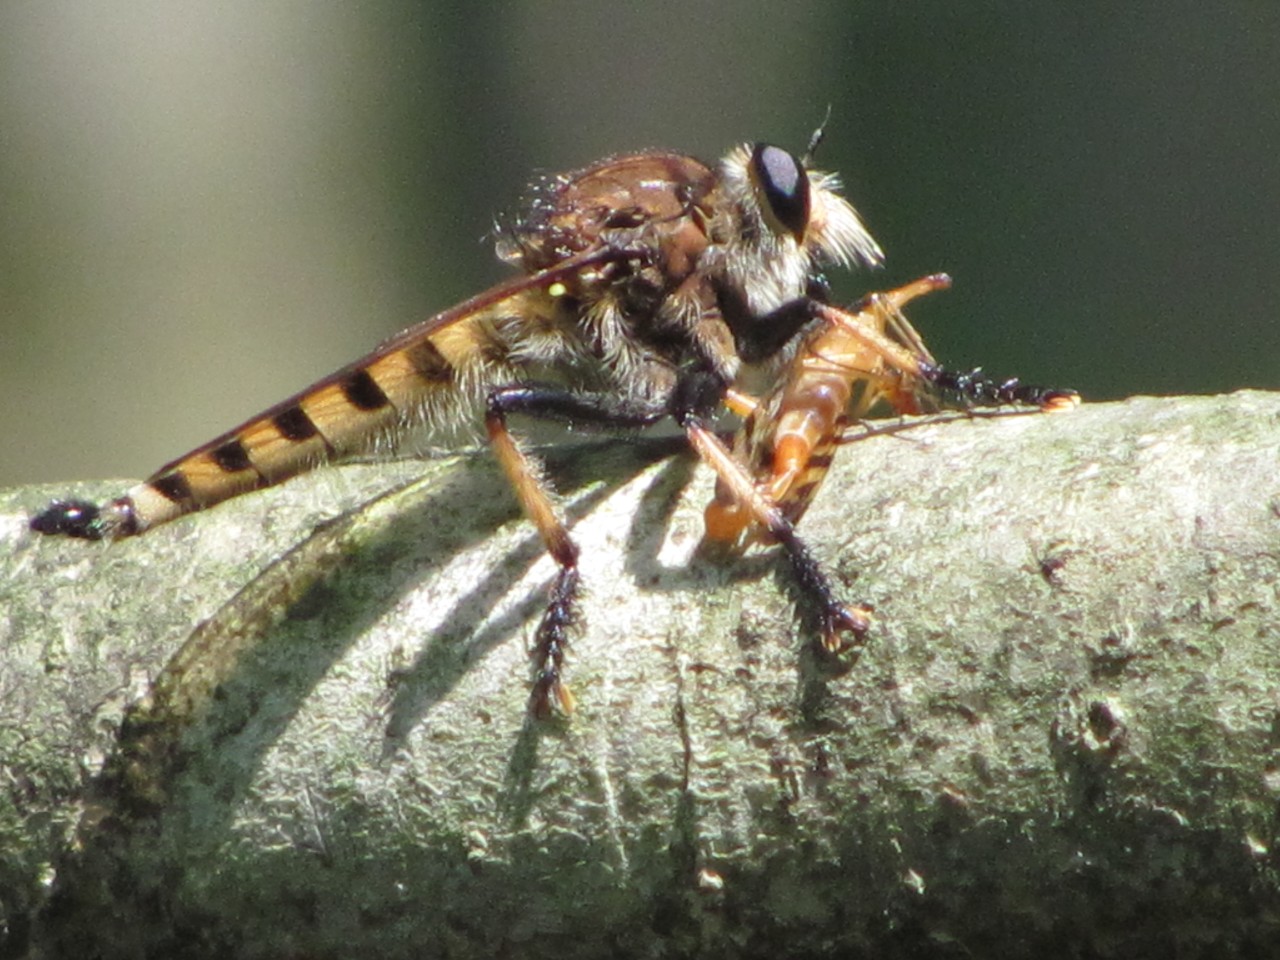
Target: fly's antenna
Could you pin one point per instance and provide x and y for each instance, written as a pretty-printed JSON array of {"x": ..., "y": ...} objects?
[{"x": 815, "y": 138}]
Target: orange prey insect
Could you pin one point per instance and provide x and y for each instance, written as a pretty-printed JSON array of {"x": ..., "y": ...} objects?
[{"x": 854, "y": 360}]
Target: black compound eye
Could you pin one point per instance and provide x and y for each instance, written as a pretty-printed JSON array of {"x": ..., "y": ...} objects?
[{"x": 785, "y": 185}]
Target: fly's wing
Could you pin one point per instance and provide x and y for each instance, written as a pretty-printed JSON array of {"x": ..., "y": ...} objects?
[{"x": 431, "y": 374}]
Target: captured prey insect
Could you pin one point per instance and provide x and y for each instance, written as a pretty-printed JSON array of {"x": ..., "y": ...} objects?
[
  {"x": 650, "y": 284},
  {"x": 851, "y": 362}
]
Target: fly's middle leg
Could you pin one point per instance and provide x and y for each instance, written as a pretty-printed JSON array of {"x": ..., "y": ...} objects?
[{"x": 551, "y": 639}]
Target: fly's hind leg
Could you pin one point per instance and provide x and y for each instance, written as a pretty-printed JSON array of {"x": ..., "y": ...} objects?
[{"x": 550, "y": 694}]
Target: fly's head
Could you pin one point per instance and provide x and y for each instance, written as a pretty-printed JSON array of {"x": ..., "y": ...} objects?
[{"x": 780, "y": 225}]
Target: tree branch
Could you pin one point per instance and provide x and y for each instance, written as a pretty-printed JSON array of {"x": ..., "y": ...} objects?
[{"x": 1061, "y": 738}]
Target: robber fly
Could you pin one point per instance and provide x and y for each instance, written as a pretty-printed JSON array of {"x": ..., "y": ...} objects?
[
  {"x": 853, "y": 361},
  {"x": 650, "y": 283}
]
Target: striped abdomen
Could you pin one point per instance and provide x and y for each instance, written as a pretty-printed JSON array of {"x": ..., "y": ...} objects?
[{"x": 430, "y": 376}]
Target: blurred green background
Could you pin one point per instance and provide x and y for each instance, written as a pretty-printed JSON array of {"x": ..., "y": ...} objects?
[{"x": 206, "y": 206}]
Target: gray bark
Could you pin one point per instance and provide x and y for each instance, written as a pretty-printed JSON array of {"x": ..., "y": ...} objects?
[{"x": 1062, "y": 738}]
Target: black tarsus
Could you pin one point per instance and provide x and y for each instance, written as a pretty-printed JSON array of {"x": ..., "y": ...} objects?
[
  {"x": 814, "y": 588},
  {"x": 550, "y": 642},
  {"x": 975, "y": 388},
  {"x": 834, "y": 617}
]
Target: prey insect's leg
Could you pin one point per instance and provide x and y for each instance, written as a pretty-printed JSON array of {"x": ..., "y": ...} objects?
[
  {"x": 835, "y": 618},
  {"x": 743, "y": 404},
  {"x": 531, "y": 488}
]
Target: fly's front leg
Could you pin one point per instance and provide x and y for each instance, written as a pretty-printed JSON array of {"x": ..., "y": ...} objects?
[
  {"x": 550, "y": 694},
  {"x": 974, "y": 388},
  {"x": 836, "y": 619}
]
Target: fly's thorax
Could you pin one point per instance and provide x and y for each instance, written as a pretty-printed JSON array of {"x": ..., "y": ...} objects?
[{"x": 638, "y": 201}]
